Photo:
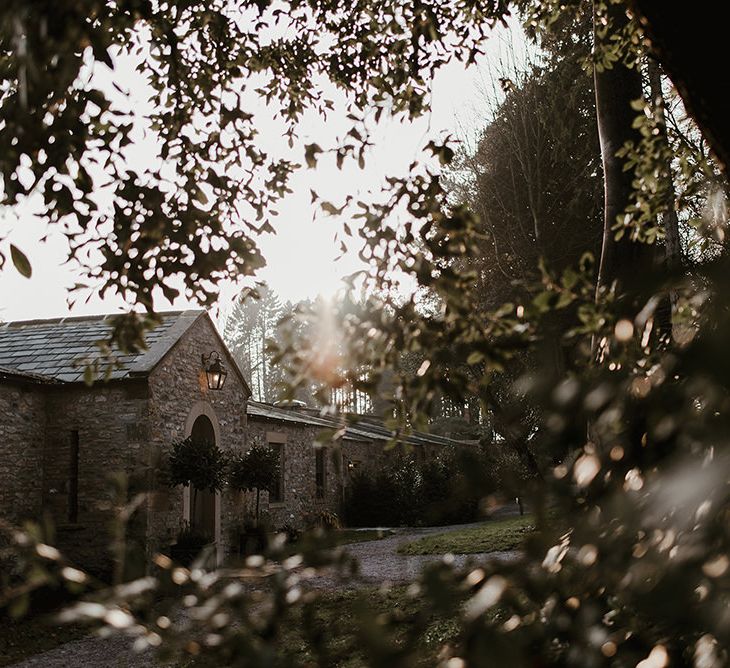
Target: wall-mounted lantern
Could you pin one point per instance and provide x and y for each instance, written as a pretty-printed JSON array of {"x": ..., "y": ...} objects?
[{"x": 215, "y": 372}]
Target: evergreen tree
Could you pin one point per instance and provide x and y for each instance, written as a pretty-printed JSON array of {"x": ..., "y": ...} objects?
[{"x": 250, "y": 324}]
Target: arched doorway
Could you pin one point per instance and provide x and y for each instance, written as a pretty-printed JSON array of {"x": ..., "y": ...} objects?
[{"x": 202, "y": 501}]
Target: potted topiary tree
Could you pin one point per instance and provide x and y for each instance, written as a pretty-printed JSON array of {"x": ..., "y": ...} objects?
[
  {"x": 200, "y": 465},
  {"x": 256, "y": 469}
]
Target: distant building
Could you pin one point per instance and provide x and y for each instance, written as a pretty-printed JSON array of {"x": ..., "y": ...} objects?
[{"x": 60, "y": 440}]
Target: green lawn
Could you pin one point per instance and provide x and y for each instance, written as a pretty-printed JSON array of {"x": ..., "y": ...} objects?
[
  {"x": 337, "y": 628},
  {"x": 355, "y": 629},
  {"x": 492, "y": 536},
  {"x": 370, "y": 622}
]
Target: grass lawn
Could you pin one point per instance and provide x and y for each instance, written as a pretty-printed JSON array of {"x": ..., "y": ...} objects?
[
  {"x": 492, "y": 536},
  {"x": 342, "y": 628},
  {"x": 381, "y": 620}
]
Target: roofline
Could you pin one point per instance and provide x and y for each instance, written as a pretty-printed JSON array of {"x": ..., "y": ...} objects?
[
  {"x": 356, "y": 431},
  {"x": 146, "y": 363},
  {"x": 26, "y": 378},
  {"x": 82, "y": 318}
]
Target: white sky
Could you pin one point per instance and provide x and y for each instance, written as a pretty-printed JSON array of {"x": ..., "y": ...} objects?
[{"x": 300, "y": 257}]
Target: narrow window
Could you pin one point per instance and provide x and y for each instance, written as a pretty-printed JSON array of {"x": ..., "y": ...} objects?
[
  {"x": 319, "y": 471},
  {"x": 73, "y": 477},
  {"x": 277, "y": 492}
]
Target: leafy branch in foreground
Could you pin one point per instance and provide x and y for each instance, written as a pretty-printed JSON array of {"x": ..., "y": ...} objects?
[{"x": 629, "y": 563}]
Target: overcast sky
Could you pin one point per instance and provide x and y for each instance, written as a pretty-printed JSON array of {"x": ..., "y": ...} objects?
[{"x": 300, "y": 257}]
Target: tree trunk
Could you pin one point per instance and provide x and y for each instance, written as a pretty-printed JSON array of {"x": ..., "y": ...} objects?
[
  {"x": 670, "y": 222},
  {"x": 193, "y": 503},
  {"x": 512, "y": 431},
  {"x": 691, "y": 44},
  {"x": 623, "y": 261}
]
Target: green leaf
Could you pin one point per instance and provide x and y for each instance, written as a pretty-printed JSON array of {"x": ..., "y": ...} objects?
[
  {"x": 475, "y": 358},
  {"x": 20, "y": 261},
  {"x": 19, "y": 606},
  {"x": 330, "y": 208},
  {"x": 542, "y": 300},
  {"x": 201, "y": 197},
  {"x": 310, "y": 154}
]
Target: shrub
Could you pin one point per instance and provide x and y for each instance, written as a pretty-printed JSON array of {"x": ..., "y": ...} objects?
[
  {"x": 254, "y": 470},
  {"x": 443, "y": 490},
  {"x": 374, "y": 499},
  {"x": 200, "y": 464},
  {"x": 291, "y": 532},
  {"x": 322, "y": 519}
]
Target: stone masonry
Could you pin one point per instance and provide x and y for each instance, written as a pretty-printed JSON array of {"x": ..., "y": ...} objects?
[
  {"x": 22, "y": 435},
  {"x": 77, "y": 453}
]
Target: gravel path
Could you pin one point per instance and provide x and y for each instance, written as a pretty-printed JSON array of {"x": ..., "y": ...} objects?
[
  {"x": 379, "y": 563},
  {"x": 92, "y": 652}
]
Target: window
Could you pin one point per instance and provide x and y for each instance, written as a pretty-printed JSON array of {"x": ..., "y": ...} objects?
[
  {"x": 277, "y": 492},
  {"x": 320, "y": 468},
  {"x": 73, "y": 477}
]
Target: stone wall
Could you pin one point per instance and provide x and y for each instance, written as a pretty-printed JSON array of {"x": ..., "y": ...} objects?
[
  {"x": 122, "y": 431},
  {"x": 178, "y": 395},
  {"x": 120, "y": 427},
  {"x": 110, "y": 422},
  {"x": 298, "y": 473},
  {"x": 300, "y": 502},
  {"x": 22, "y": 433}
]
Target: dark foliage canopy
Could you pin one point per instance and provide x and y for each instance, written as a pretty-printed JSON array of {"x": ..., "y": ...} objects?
[
  {"x": 201, "y": 464},
  {"x": 255, "y": 469},
  {"x": 629, "y": 563}
]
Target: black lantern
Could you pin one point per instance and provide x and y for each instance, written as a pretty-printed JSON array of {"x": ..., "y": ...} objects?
[{"x": 215, "y": 372}]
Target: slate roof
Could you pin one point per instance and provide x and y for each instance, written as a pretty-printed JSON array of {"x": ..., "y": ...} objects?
[
  {"x": 362, "y": 427},
  {"x": 60, "y": 349}
]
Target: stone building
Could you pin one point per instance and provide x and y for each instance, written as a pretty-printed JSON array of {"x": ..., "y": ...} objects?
[{"x": 77, "y": 452}]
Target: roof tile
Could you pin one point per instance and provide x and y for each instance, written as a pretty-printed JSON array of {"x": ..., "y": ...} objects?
[{"x": 60, "y": 348}]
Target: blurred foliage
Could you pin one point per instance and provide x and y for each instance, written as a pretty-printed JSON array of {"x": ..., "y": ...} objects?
[{"x": 625, "y": 446}]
